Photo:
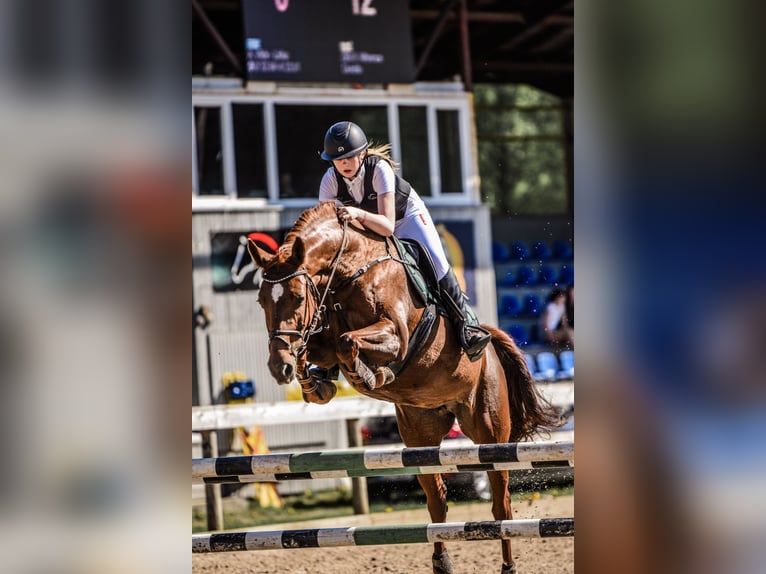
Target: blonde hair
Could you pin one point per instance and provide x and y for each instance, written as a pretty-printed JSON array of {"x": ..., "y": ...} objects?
[{"x": 383, "y": 152}]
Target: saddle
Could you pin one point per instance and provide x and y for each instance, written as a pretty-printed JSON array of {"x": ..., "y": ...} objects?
[
  {"x": 421, "y": 275},
  {"x": 420, "y": 269}
]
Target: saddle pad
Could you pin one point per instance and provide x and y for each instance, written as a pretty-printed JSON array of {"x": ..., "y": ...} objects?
[{"x": 420, "y": 269}]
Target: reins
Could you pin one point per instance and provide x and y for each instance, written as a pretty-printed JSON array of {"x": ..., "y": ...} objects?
[{"x": 314, "y": 326}]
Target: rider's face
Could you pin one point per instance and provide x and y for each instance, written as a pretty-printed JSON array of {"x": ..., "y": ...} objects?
[{"x": 349, "y": 166}]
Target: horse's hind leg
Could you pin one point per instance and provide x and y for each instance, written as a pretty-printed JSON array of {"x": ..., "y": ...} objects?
[
  {"x": 501, "y": 510},
  {"x": 490, "y": 422},
  {"x": 425, "y": 427}
]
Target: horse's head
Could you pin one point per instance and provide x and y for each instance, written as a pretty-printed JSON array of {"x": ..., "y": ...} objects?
[{"x": 289, "y": 299}]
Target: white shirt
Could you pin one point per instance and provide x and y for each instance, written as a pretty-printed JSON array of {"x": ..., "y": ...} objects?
[
  {"x": 383, "y": 182},
  {"x": 552, "y": 315}
]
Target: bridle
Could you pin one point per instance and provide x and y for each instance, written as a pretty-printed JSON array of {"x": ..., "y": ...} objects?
[{"x": 316, "y": 324}]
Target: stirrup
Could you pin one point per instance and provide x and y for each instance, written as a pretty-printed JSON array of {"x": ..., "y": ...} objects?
[{"x": 474, "y": 340}]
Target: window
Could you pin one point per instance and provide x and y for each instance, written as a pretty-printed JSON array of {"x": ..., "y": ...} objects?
[
  {"x": 413, "y": 136},
  {"x": 207, "y": 122},
  {"x": 249, "y": 150},
  {"x": 449, "y": 151},
  {"x": 267, "y": 147},
  {"x": 300, "y": 139}
]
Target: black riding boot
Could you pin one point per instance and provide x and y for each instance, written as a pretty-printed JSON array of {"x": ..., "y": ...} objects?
[{"x": 473, "y": 337}]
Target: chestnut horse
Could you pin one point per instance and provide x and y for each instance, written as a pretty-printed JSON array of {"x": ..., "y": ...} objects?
[{"x": 335, "y": 294}]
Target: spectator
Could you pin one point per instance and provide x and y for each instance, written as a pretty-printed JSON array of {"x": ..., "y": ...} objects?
[
  {"x": 570, "y": 305},
  {"x": 554, "y": 323}
]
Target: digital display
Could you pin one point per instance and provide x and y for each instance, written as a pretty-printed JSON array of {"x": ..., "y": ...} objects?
[{"x": 357, "y": 41}]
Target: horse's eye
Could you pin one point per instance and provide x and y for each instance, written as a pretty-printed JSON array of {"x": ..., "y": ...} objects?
[{"x": 299, "y": 299}]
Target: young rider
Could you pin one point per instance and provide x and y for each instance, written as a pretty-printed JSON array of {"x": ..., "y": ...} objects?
[{"x": 363, "y": 180}]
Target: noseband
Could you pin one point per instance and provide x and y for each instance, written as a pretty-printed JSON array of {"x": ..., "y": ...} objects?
[{"x": 316, "y": 325}]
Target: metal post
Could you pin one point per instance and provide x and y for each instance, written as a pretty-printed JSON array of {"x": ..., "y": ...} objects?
[
  {"x": 465, "y": 47},
  {"x": 358, "y": 485},
  {"x": 213, "y": 502}
]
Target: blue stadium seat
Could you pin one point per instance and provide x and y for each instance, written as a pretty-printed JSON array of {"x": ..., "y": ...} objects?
[
  {"x": 519, "y": 334},
  {"x": 519, "y": 251},
  {"x": 505, "y": 276},
  {"x": 509, "y": 305},
  {"x": 526, "y": 275},
  {"x": 500, "y": 253},
  {"x": 532, "y": 304},
  {"x": 541, "y": 251},
  {"x": 562, "y": 249},
  {"x": 548, "y": 275},
  {"x": 566, "y": 358},
  {"x": 547, "y": 366},
  {"x": 566, "y": 275}
]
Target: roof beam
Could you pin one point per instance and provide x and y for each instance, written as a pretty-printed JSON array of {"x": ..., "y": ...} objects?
[
  {"x": 437, "y": 31},
  {"x": 552, "y": 20},
  {"x": 216, "y": 35},
  {"x": 530, "y": 67},
  {"x": 564, "y": 36},
  {"x": 465, "y": 47},
  {"x": 487, "y": 17}
]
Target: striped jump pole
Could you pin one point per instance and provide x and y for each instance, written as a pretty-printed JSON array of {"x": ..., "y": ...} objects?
[
  {"x": 378, "y": 535},
  {"x": 369, "y": 459},
  {"x": 362, "y": 473}
]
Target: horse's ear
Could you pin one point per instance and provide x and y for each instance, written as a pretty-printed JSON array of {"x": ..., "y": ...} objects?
[
  {"x": 298, "y": 253},
  {"x": 260, "y": 256}
]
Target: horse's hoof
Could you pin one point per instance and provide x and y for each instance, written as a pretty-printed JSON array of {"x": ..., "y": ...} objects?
[
  {"x": 508, "y": 568},
  {"x": 369, "y": 380},
  {"x": 321, "y": 394},
  {"x": 383, "y": 376},
  {"x": 442, "y": 563}
]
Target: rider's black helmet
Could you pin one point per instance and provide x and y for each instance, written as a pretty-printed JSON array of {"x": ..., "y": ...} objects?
[{"x": 342, "y": 140}]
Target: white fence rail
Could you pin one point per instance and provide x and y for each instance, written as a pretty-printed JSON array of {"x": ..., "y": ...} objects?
[{"x": 218, "y": 417}]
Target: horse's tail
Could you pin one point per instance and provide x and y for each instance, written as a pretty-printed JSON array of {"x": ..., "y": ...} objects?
[{"x": 530, "y": 411}]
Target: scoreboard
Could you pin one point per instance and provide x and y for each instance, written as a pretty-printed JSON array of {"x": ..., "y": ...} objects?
[{"x": 358, "y": 41}]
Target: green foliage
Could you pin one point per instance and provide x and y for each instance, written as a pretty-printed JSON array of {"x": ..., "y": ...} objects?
[{"x": 521, "y": 146}]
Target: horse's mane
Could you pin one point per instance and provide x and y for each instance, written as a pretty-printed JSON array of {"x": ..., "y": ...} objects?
[
  {"x": 314, "y": 226},
  {"x": 312, "y": 215}
]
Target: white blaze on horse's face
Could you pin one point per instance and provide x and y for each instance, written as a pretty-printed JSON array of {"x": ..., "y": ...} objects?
[{"x": 276, "y": 292}]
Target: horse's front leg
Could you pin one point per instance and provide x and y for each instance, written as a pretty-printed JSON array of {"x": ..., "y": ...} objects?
[
  {"x": 379, "y": 343},
  {"x": 319, "y": 352},
  {"x": 314, "y": 390}
]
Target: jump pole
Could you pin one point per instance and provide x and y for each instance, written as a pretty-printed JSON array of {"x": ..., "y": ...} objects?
[
  {"x": 368, "y": 459},
  {"x": 404, "y": 471},
  {"x": 379, "y": 535}
]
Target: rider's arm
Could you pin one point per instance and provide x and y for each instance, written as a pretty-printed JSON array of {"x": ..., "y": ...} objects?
[{"x": 382, "y": 222}]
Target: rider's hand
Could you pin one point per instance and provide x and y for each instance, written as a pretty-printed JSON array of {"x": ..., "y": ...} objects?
[{"x": 349, "y": 213}]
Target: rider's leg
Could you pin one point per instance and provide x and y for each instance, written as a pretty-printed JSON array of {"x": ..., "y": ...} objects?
[{"x": 473, "y": 337}]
